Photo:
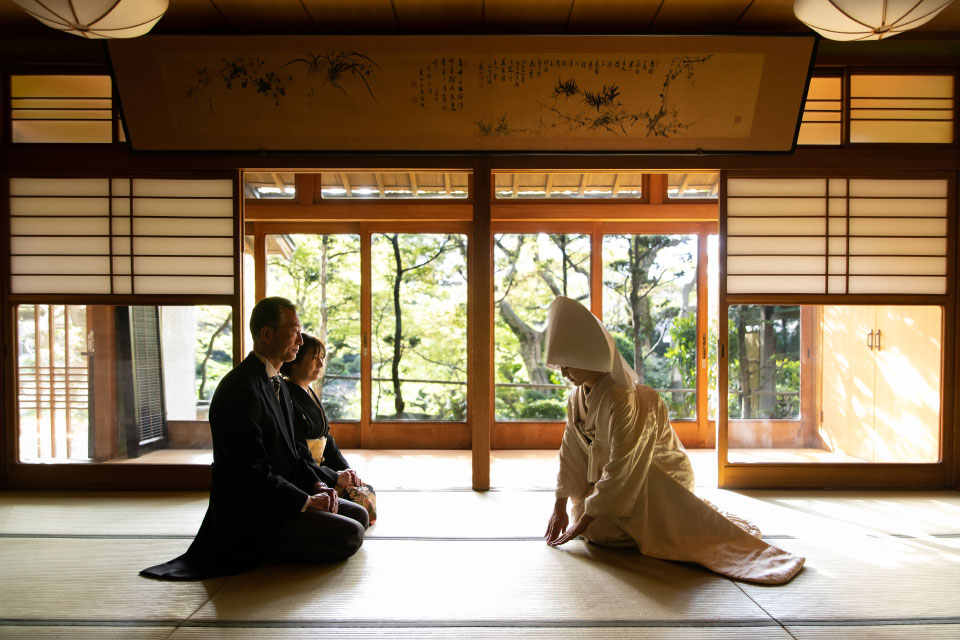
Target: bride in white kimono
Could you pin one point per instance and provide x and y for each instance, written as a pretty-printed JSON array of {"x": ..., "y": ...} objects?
[{"x": 625, "y": 471}]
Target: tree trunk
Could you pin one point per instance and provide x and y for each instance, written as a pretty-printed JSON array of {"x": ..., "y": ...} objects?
[
  {"x": 398, "y": 402},
  {"x": 206, "y": 357},
  {"x": 324, "y": 250},
  {"x": 531, "y": 344},
  {"x": 768, "y": 365},
  {"x": 746, "y": 389}
]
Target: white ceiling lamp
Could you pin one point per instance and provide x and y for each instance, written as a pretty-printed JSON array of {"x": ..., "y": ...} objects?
[
  {"x": 865, "y": 19},
  {"x": 97, "y": 19}
]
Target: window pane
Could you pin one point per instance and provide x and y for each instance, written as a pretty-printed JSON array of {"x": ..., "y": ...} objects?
[
  {"x": 694, "y": 186},
  {"x": 650, "y": 308},
  {"x": 901, "y": 108},
  {"x": 567, "y": 185},
  {"x": 419, "y": 318},
  {"x": 820, "y": 123},
  {"x": 530, "y": 271},
  {"x": 763, "y": 379},
  {"x": 249, "y": 291},
  {"x": 713, "y": 325},
  {"x": 272, "y": 185},
  {"x": 101, "y": 383},
  {"x": 868, "y": 375},
  {"x": 61, "y": 108},
  {"x": 388, "y": 185},
  {"x": 320, "y": 274}
]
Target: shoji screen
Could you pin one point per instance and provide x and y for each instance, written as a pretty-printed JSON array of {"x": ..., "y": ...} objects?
[
  {"x": 61, "y": 108},
  {"x": 822, "y": 112},
  {"x": 901, "y": 109},
  {"x": 836, "y": 236},
  {"x": 121, "y": 236}
]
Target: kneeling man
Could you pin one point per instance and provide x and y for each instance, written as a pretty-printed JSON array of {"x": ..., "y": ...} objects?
[{"x": 266, "y": 501}]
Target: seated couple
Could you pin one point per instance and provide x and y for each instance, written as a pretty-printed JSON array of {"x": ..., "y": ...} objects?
[{"x": 270, "y": 498}]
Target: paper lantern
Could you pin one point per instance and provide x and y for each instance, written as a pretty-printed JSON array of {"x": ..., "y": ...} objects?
[
  {"x": 97, "y": 19},
  {"x": 865, "y": 19}
]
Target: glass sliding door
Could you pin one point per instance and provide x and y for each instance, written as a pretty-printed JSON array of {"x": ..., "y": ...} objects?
[
  {"x": 650, "y": 308},
  {"x": 419, "y": 327},
  {"x": 99, "y": 383},
  {"x": 530, "y": 270},
  {"x": 834, "y": 384},
  {"x": 320, "y": 273}
]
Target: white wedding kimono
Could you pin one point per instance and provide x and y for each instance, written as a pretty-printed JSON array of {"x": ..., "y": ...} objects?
[{"x": 622, "y": 463}]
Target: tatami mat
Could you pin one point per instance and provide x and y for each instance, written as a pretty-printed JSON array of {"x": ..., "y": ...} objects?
[
  {"x": 868, "y": 578},
  {"x": 102, "y": 513},
  {"x": 806, "y": 513},
  {"x": 489, "y": 633},
  {"x": 93, "y": 579},
  {"x": 878, "y": 632},
  {"x": 493, "y": 514},
  {"x": 92, "y": 632},
  {"x": 462, "y": 581},
  {"x": 447, "y": 562}
]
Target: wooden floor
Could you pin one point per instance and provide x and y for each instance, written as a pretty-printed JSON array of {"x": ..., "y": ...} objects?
[{"x": 447, "y": 562}]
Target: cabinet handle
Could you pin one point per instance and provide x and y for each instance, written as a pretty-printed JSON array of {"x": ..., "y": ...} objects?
[
  {"x": 877, "y": 341},
  {"x": 870, "y": 340}
]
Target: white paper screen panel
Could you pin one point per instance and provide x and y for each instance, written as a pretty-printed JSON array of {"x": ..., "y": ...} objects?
[
  {"x": 901, "y": 108},
  {"x": 121, "y": 236},
  {"x": 822, "y": 112},
  {"x": 61, "y": 108},
  {"x": 836, "y": 236}
]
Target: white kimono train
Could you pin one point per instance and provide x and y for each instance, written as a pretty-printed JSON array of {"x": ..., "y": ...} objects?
[{"x": 622, "y": 463}]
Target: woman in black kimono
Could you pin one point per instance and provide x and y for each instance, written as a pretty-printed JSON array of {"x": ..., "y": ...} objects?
[{"x": 310, "y": 425}]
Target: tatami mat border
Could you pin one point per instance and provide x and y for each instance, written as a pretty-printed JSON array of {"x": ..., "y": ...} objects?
[{"x": 495, "y": 624}]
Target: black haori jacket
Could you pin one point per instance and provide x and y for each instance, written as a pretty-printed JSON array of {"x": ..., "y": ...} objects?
[{"x": 261, "y": 474}]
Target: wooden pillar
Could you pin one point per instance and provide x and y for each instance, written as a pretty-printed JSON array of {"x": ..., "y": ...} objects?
[
  {"x": 480, "y": 326},
  {"x": 102, "y": 324},
  {"x": 705, "y": 437}
]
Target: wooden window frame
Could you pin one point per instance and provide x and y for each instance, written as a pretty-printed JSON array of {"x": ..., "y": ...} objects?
[{"x": 918, "y": 475}]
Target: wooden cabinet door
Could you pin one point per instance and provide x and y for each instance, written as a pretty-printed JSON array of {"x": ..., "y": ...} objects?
[
  {"x": 848, "y": 373},
  {"x": 908, "y": 384}
]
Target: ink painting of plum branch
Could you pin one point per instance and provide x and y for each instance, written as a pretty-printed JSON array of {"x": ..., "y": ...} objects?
[
  {"x": 340, "y": 70},
  {"x": 576, "y": 105}
]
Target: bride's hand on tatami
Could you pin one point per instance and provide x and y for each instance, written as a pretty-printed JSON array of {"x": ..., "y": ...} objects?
[
  {"x": 557, "y": 524},
  {"x": 579, "y": 527}
]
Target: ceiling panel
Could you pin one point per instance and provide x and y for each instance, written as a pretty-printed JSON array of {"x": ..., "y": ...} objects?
[
  {"x": 513, "y": 16},
  {"x": 265, "y": 16},
  {"x": 184, "y": 15},
  {"x": 698, "y": 16},
  {"x": 439, "y": 16},
  {"x": 477, "y": 17},
  {"x": 946, "y": 20},
  {"x": 357, "y": 16},
  {"x": 612, "y": 16},
  {"x": 769, "y": 16}
]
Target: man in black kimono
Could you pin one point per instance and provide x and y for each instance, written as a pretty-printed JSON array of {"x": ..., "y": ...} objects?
[{"x": 266, "y": 501}]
